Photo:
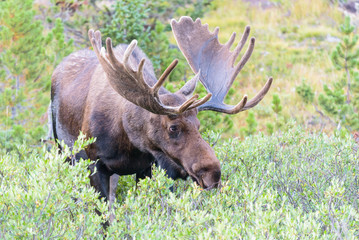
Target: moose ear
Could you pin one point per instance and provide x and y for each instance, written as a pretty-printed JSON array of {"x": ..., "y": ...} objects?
[{"x": 188, "y": 89}]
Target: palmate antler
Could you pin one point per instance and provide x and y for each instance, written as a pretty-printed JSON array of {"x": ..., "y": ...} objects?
[
  {"x": 131, "y": 84},
  {"x": 214, "y": 62}
]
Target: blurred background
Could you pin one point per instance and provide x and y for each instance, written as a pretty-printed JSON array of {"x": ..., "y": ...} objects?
[{"x": 309, "y": 47}]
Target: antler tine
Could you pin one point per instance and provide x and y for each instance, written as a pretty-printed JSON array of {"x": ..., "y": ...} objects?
[
  {"x": 231, "y": 41},
  {"x": 97, "y": 36},
  {"x": 187, "y": 103},
  {"x": 238, "y": 108},
  {"x": 95, "y": 39},
  {"x": 241, "y": 43},
  {"x": 243, "y": 60},
  {"x": 164, "y": 76},
  {"x": 110, "y": 54},
  {"x": 94, "y": 42},
  {"x": 254, "y": 101},
  {"x": 201, "y": 101},
  {"x": 129, "y": 51},
  {"x": 141, "y": 65}
]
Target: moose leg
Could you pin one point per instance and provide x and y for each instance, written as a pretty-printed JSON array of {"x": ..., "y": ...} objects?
[
  {"x": 145, "y": 173},
  {"x": 112, "y": 194},
  {"x": 101, "y": 179}
]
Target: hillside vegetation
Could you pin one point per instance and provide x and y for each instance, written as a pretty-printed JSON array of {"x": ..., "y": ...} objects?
[
  {"x": 289, "y": 168},
  {"x": 285, "y": 186}
]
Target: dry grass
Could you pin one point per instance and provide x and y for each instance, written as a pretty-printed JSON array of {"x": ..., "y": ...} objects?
[{"x": 292, "y": 45}]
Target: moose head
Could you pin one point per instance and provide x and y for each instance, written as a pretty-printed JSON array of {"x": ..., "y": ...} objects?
[{"x": 136, "y": 121}]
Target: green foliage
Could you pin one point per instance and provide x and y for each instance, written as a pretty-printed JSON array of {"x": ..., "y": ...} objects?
[
  {"x": 305, "y": 92},
  {"x": 43, "y": 197},
  {"x": 281, "y": 120},
  {"x": 162, "y": 55},
  {"x": 21, "y": 40},
  {"x": 194, "y": 8},
  {"x": 284, "y": 186},
  {"x": 128, "y": 22},
  {"x": 340, "y": 101},
  {"x": 270, "y": 128},
  {"x": 22, "y": 62},
  {"x": 276, "y": 105},
  {"x": 251, "y": 125},
  {"x": 345, "y": 55},
  {"x": 26, "y": 64},
  {"x": 60, "y": 48},
  {"x": 214, "y": 120}
]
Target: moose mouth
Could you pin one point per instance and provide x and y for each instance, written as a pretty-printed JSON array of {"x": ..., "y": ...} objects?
[
  {"x": 196, "y": 180},
  {"x": 176, "y": 170},
  {"x": 201, "y": 183}
]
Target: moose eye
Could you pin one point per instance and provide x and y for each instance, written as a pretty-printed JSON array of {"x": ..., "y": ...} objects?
[
  {"x": 174, "y": 131},
  {"x": 173, "y": 128}
]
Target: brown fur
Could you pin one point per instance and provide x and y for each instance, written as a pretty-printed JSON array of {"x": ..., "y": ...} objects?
[{"x": 129, "y": 138}]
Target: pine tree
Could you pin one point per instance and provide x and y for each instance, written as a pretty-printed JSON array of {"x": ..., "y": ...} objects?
[
  {"x": 340, "y": 101},
  {"x": 27, "y": 58},
  {"x": 251, "y": 125},
  {"x": 21, "y": 60},
  {"x": 305, "y": 92},
  {"x": 59, "y": 47},
  {"x": 276, "y": 106},
  {"x": 280, "y": 118}
]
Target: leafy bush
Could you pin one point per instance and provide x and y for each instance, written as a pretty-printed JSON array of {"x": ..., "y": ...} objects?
[
  {"x": 284, "y": 186},
  {"x": 251, "y": 125},
  {"x": 43, "y": 197},
  {"x": 305, "y": 92},
  {"x": 289, "y": 185}
]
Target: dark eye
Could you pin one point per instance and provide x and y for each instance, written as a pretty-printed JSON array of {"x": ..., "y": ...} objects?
[{"x": 173, "y": 128}]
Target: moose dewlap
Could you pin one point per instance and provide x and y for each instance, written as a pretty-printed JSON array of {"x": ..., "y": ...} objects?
[{"x": 113, "y": 95}]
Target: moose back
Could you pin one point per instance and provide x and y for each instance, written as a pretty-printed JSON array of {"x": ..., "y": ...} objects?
[{"x": 113, "y": 95}]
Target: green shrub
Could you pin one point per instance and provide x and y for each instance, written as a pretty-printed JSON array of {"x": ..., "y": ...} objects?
[
  {"x": 276, "y": 105},
  {"x": 305, "y": 92},
  {"x": 43, "y": 197},
  {"x": 285, "y": 186},
  {"x": 270, "y": 128},
  {"x": 251, "y": 125},
  {"x": 282, "y": 187}
]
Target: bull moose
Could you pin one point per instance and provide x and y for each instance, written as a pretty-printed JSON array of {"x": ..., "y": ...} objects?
[{"x": 113, "y": 95}]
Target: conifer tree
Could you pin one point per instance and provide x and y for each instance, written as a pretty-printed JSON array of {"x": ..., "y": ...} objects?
[
  {"x": 27, "y": 58},
  {"x": 21, "y": 61},
  {"x": 251, "y": 125},
  {"x": 340, "y": 101},
  {"x": 276, "y": 105}
]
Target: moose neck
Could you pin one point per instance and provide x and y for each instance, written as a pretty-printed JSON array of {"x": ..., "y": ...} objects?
[{"x": 135, "y": 121}]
